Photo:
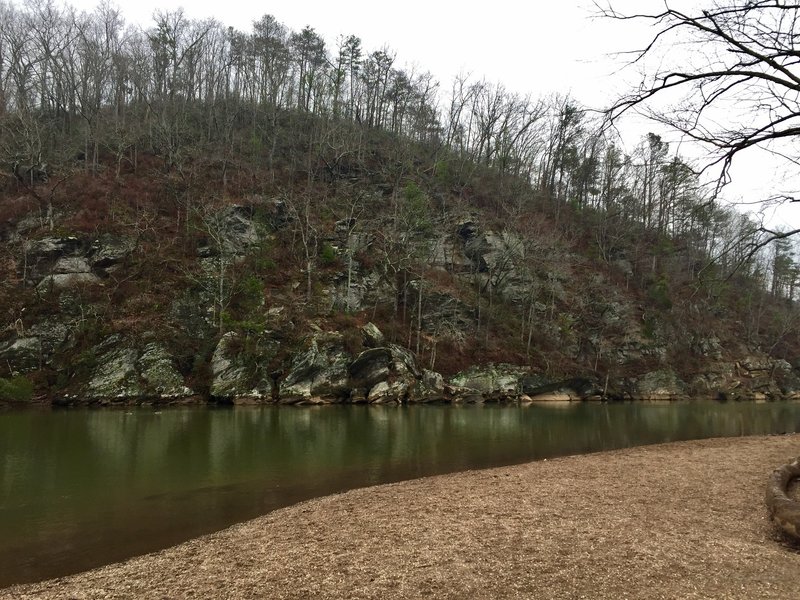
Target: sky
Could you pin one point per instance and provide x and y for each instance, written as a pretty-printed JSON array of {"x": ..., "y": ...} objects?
[
  {"x": 535, "y": 48},
  {"x": 553, "y": 46}
]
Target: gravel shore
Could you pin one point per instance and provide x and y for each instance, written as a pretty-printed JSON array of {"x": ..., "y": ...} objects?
[{"x": 682, "y": 520}]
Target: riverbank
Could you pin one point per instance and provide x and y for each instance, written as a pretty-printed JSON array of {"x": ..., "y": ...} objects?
[{"x": 684, "y": 520}]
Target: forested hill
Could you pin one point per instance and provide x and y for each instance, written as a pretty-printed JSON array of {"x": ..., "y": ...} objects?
[{"x": 188, "y": 210}]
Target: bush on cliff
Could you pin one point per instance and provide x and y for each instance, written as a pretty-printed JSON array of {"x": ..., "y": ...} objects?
[{"x": 16, "y": 389}]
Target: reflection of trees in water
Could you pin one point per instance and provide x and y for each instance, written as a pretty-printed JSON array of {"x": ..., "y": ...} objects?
[
  {"x": 140, "y": 452},
  {"x": 218, "y": 446},
  {"x": 145, "y": 434},
  {"x": 66, "y": 473}
]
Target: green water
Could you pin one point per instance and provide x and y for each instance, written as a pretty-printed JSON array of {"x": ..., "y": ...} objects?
[{"x": 81, "y": 488}]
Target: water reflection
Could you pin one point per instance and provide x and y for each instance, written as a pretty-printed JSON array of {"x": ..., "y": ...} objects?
[{"x": 81, "y": 488}]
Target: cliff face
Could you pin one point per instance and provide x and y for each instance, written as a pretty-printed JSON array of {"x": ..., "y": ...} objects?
[
  {"x": 220, "y": 213},
  {"x": 371, "y": 296}
]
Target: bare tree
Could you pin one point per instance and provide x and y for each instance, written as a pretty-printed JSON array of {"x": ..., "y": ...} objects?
[
  {"x": 738, "y": 87},
  {"x": 303, "y": 211}
]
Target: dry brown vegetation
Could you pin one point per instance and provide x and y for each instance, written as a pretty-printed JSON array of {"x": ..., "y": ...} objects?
[{"x": 598, "y": 226}]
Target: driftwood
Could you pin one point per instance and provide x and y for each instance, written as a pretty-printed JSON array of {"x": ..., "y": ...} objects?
[{"x": 783, "y": 510}]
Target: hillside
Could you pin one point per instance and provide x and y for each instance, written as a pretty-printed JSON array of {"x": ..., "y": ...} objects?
[{"x": 280, "y": 228}]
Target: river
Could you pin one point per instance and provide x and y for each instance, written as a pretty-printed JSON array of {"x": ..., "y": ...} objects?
[{"x": 82, "y": 488}]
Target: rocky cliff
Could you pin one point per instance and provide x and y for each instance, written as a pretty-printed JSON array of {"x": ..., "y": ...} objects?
[{"x": 452, "y": 308}]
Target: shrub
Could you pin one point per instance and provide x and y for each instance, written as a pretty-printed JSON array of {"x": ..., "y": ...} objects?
[
  {"x": 16, "y": 389},
  {"x": 251, "y": 290},
  {"x": 658, "y": 293},
  {"x": 417, "y": 209},
  {"x": 328, "y": 254}
]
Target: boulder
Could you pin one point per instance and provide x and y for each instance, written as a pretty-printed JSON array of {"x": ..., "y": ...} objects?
[
  {"x": 35, "y": 346},
  {"x": 403, "y": 362},
  {"x": 490, "y": 379},
  {"x": 71, "y": 264},
  {"x": 126, "y": 372},
  {"x": 782, "y": 504},
  {"x": 237, "y": 376},
  {"x": 659, "y": 385},
  {"x": 497, "y": 255},
  {"x": 373, "y": 337},
  {"x": 319, "y": 371},
  {"x": 370, "y": 367},
  {"x": 541, "y": 389},
  {"x": 41, "y": 257},
  {"x": 240, "y": 230},
  {"x": 430, "y": 388},
  {"x": 493, "y": 254},
  {"x": 636, "y": 347},
  {"x": 385, "y": 374},
  {"x": 448, "y": 255},
  {"x": 115, "y": 377},
  {"x": 21, "y": 355},
  {"x": 762, "y": 377},
  {"x": 388, "y": 392},
  {"x": 278, "y": 214},
  {"x": 445, "y": 315},
  {"x": 227, "y": 375},
  {"x": 365, "y": 289},
  {"x": 715, "y": 385},
  {"x": 533, "y": 384},
  {"x": 108, "y": 251},
  {"x": 789, "y": 383},
  {"x": 467, "y": 229},
  {"x": 756, "y": 365},
  {"x": 233, "y": 228},
  {"x": 58, "y": 263},
  {"x": 458, "y": 395},
  {"x": 158, "y": 372},
  {"x": 61, "y": 281},
  {"x": 192, "y": 311}
]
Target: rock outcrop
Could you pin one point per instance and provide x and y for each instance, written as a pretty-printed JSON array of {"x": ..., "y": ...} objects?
[
  {"x": 240, "y": 376},
  {"x": 34, "y": 347},
  {"x": 318, "y": 373},
  {"x": 659, "y": 385},
  {"x": 231, "y": 232},
  {"x": 61, "y": 263},
  {"x": 537, "y": 388},
  {"x": 491, "y": 380},
  {"x": 284, "y": 347},
  {"x": 384, "y": 374},
  {"x": 22, "y": 354},
  {"x": 125, "y": 371}
]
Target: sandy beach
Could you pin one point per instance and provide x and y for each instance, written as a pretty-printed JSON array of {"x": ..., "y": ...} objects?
[{"x": 682, "y": 520}]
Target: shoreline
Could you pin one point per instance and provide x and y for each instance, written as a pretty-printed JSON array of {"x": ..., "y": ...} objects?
[
  {"x": 473, "y": 400},
  {"x": 684, "y": 519}
]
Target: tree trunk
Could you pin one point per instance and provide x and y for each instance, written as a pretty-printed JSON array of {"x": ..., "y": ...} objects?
[{"x": 419, "y": 313}]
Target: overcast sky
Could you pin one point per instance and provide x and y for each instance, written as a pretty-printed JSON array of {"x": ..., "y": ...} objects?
[
  {"x": 543, "y": 47},
  {"x": 530, "y": 47}
]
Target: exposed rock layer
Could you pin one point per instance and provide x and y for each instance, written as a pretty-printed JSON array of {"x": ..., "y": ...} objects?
[{"x": 290, "y": 354}]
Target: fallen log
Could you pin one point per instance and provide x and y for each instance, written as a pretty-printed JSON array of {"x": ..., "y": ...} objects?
[{"x": 783, "y": 510}]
